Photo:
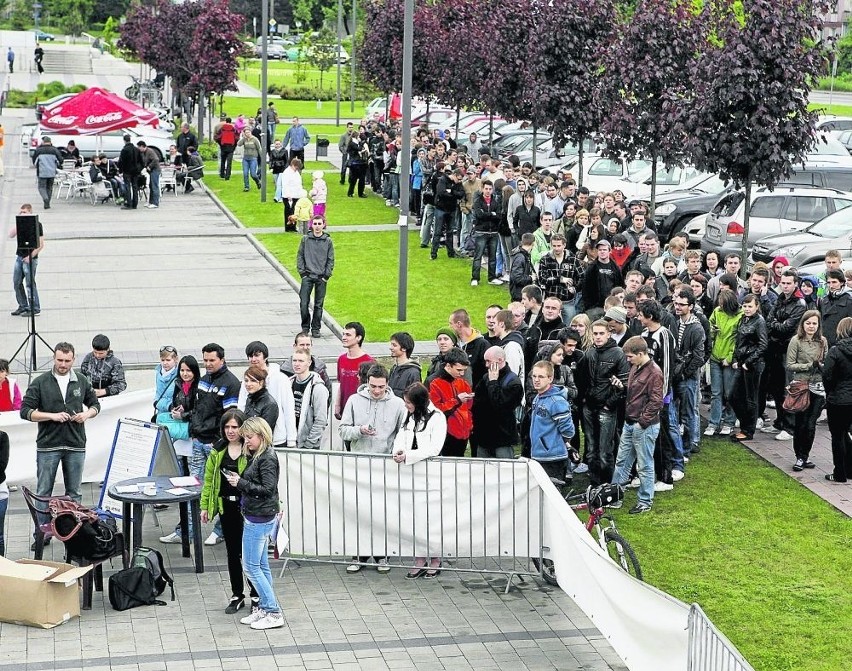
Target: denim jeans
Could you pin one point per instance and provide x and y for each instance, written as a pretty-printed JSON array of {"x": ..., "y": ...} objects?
[
  {"x": 677, "y": 462},
  {"x": 4, "y": 504},
  {"x": 318, "y": 287},
  {"x": 256, "y": 562},
  {"x": 502, "y": 260},
  {"x": 637, "y": 444},
  {"x": 686, "y": 395},
  {"x": 486, "y": 243},
  {"x": 21, "y": 282},
  {"x": 428, "y": 222},
  {"x": 506, "y": 452},
  {"x": 249, "y": 170},
  {"x": 47, "y": 463},
  {"x": 721, "y": 388},
  {"x": 393, "y": 178},
  {"x": 466, "y": 222},
  {"x": 600, "y": 430},
  {"x": 45, "y": 189},
  {"x": 443, "y": 225},
  {"x": 154, "y": 188},
  {"x": 569, "y": 309}
]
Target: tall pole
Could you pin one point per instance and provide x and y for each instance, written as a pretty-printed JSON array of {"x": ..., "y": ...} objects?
[
  {"x": 339, "y": 46},
  {"x": 405, "y": 165},
  {"x": 264, "y": 127},
  {"x": 352, "y": 63}
]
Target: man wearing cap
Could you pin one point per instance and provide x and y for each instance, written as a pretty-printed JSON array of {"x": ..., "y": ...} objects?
[
  {"x": 601, "y": 277},
  {"x": 46, "y": 160},
  {"x": 616, "y": 318}
]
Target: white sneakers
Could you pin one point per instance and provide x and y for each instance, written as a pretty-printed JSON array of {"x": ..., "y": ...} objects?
[
  {"x": 725, "y": 430},
  {"x": 677, "y": 475},
  {"x": 783, "y": 435},
  {"x": 711, "y": 430},
  {"x": 172, "y": 538},
  {"x": 633, "y": 484},
  {"x": 474, "y": 283},
  {"x": 214, "y": 539},
  {"x": 383, "y": 566},
  {"x": 496, "y": 281},
  {"x": 151, "y": 206},
  {"x": 661, "y": 486},
  {"x": 268, "y": 621}
]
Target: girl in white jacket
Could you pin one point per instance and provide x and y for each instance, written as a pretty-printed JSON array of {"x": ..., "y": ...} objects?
[{"x": 421, "y": 436}]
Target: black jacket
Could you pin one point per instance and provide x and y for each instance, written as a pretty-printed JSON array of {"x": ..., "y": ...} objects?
[
  {"x": 185, "y": 401},
  {"x": 278, "y": 160},
  {"x": 4, "y": 455},
  {"x": 550, "y": 330},
  {"x": 527, "y": 220},
  {"x": 520, "y": 274},
  {"x": 261, "y": 404},
  {"x": 690, "y": 349},
  {"x": 837, "y": 373},
  {"x": 216, "y": 393},
  {"x": 475, "y": 350},
  {"x": 783, "y": 321},
  {"x": 486, "y": 217},
  {"x": 833, "y": 308},
  {"x": 599, "y": 281},
  {"x": 448, "y": 194},
  {"x": 130, "y": 160},
  {"x": 751, "y": 341},
  {"x": 259, "y": 485},
  {"x": 594, "y": 373},
  {"x": 494, "y": 405},
  {"x": 400, "y": 377}
]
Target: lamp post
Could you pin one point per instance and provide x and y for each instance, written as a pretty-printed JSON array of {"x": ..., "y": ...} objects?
[
  {"x": 263, "y": 94},
  {"x": 405, "y": 165},
  {"x": 352, "y": 62},
  {"x": 339, "y": 46}
]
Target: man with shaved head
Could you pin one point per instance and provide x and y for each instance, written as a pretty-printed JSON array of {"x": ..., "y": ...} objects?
[{"x": 497, "y": 397}]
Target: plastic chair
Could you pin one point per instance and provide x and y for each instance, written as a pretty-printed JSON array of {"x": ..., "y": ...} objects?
[
  {"x": 168, "y": 178},
  {"x": 43, "y": 531}
]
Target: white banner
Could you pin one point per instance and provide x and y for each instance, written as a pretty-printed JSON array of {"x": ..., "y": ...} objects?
[
  {"x": 100, "y": 432},
  {"x": 344, "y": 504}
]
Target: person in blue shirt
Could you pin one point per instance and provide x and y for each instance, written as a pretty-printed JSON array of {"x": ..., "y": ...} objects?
[
  {"x": 297, "y": 138},
  {"x": 551, "y": 426}
]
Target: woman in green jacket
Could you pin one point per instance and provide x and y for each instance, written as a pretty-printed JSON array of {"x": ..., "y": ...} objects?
[
  {"x": 723, "y": 327},
  {"x": 218, "y": 497}
]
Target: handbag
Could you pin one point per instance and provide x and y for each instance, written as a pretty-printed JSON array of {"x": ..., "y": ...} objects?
[
  {"x": 178, "y": 429},
  {"x": 798, "y": 397},
  {"x": 162, "y": 393},
  {"x": 132, "y": 587}
]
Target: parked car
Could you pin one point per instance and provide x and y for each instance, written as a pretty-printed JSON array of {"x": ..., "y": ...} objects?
[
  {"x": 787, "y": 208},
  {"x": 273, "y": 52},
  {"x": 695, "y": 227},
  {"x": 109, "y": 143},
  {"x": 601, "y": 173},
  {"x": 668, "y": 179},
  {"x": 296, "y": 53},
  {"x": 830, "y": 122},
  {"x": 42, "y": 36},
  {"x": 810, "y": 244}
]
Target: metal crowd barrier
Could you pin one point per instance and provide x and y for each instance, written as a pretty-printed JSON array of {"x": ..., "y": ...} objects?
[
  {"x": 709, "y": 649},
  {"x": 477, "y": 515}
]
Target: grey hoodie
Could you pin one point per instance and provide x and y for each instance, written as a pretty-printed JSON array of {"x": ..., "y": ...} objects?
[
  {"x": 315, "y": 257},
  {"x": 314, "y": 413},
  {"x": 386, "y": 416}
]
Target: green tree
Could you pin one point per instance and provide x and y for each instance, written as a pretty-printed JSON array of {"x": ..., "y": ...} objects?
[
  {"x": 22, "y": 15},
  {"x": 321, "y": 51},
  {"x": 73, "y": 16}
]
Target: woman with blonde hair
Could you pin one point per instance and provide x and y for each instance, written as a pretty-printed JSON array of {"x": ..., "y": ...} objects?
[
  {"x": 805, "y": 356},
  {"x": 258, "y": 487},
  {"x": 583, "y": 325}
]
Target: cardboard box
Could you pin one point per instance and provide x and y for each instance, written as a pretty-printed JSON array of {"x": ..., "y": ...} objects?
[{"x": 39, "y": 593}]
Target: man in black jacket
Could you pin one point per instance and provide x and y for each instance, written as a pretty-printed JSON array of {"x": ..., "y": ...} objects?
[
  {"x": 602, "y": 400},
  {"x": 601, "y": 277},
  {"x": 781, "y": 325},
  {"x": 130, "y": 164},
  {"x": 521, "y": 273},
  {"x": 689, "y": 353},
  {"x": 448, "y": 193},
  {"x": 486, "y": 225},
  {"x": 835, "y": 305},
  {"x": 496, "y": 400}
]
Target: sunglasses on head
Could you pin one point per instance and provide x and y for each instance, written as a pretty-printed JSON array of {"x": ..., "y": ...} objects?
[{"x": 167, "y": 349}]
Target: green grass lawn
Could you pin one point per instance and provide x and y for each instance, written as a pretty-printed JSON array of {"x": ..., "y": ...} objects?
[
  {"x": 837, "y": 110},
  {"x": 340, "y": 210},
  {"x": 766, "y": 559},
  {"x": 306, "y": 109},
  {"x": 364, "y": 286}
]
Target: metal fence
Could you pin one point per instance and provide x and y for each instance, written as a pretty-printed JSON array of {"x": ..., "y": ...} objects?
[
  {"x": 709, "y": 649},
  {"x": 476, "y": 515}
]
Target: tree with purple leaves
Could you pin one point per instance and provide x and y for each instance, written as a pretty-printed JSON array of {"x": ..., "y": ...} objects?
[
  {"x": 646, "y": 76},
  {"x": 748, "y": 118},
  {"x": 195, "y": 43}
]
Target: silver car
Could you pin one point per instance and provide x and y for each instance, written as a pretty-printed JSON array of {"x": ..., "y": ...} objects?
[
  {"x": 787, "y": 208},
  {"x": 810, "y": 244}
]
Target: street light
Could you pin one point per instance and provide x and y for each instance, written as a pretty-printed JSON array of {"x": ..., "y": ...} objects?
[{"x": 405, "y": 169}]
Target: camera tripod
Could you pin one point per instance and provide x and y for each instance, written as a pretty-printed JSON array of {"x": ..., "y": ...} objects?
[{"x": 30, "y": 343}]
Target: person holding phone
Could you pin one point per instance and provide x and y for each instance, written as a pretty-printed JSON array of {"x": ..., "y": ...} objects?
[{"x": 219, "y": 497}]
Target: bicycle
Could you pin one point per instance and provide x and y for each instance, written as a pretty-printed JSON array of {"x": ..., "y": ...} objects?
[{"x": 596, "y": 500}]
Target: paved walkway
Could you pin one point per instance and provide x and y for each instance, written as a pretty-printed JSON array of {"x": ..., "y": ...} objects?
[{"x": 185, "y": 274}]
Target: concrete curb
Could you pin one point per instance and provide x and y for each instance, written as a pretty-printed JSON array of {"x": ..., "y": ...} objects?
[{"x": 327, "y": 319}]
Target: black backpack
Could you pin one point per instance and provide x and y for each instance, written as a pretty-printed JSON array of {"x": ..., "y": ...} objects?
[
  {"x": 152, "y": 561},
  {"x": 132, "y": 587}
]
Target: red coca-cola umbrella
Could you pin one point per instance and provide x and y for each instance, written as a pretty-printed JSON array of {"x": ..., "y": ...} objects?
[{"x": 96, "y": 111}]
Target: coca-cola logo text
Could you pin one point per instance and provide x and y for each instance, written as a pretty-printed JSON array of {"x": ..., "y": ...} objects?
[
  {"x": 60, "y": 120},
  {"x": 93, "y": 119}
]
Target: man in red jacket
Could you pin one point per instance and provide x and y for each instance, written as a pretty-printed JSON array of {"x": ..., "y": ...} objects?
[{"x": 451, "y": 394}]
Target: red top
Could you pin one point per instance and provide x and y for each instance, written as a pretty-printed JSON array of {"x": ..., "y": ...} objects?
[{"x": 347, "y": 375}]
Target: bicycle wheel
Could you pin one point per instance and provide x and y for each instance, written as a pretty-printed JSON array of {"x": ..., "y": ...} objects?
[
  {"x": 622, "y": 553},
  {"x": 547, "y": 570}
]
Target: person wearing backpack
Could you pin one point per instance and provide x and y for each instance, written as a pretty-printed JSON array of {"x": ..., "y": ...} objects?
[
  {"x": 226, "y": 138},
  {"x": 218, "y": 497},
  {"x": 258, "y": 487}
]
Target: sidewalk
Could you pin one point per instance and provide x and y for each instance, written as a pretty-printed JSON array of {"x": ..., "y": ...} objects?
[{"x": 185, "y": 274}]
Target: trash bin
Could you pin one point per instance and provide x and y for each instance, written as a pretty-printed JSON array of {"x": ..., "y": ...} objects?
[{"x": 322, "y": 146}]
